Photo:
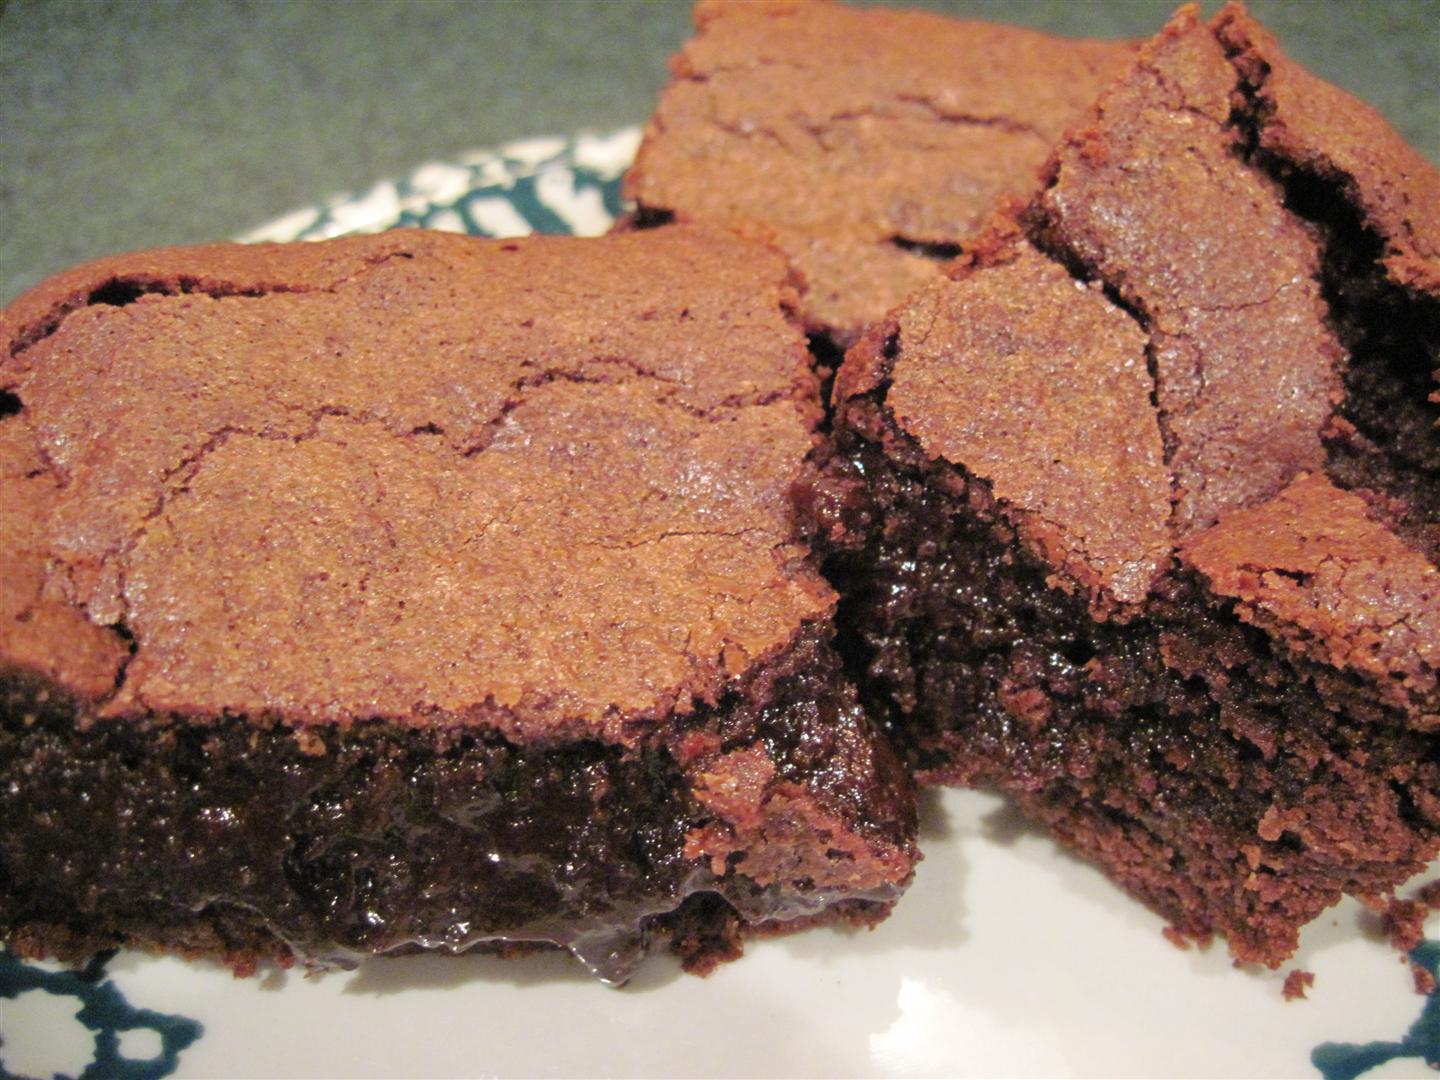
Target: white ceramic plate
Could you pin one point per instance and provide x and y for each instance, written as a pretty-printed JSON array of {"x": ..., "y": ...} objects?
[{"x": 1008, "y": 957}]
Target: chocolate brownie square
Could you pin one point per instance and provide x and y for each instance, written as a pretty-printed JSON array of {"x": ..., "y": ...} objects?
[
  {"x": 1134, "y": 512},
  {"x": 867, "y": 143},
  {"x": 416, "y": 591}
]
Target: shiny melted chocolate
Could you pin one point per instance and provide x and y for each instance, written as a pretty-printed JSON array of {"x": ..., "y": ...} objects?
[{"x": 244, "y": 840}]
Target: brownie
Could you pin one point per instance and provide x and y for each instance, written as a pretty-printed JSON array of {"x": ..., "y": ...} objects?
[
  {"x": 416, "y": 591},
  {"x": 1134, "y": 510},
  {"x": 868, "y": 144}
]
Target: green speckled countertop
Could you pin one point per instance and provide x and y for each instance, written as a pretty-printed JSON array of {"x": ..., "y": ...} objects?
[{"x": 136, "y": 124}]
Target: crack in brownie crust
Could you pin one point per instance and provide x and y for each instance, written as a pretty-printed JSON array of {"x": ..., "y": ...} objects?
[
  {"x": 1082, "y": 466},
  {"x": 314, "y": 540},
  {"x": 1109, "y": 533},
  {"x": 204, "y": 417},
  {"x": 1244, "y": 360},
  {"x": 868, "y": 144}
]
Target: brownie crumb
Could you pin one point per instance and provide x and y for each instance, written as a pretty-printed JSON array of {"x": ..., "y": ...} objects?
[
  {"x": 1424, "y": 979},
  {"x": 1404, "y": 922},
  {"x": 1296, "y": 983},
  {"x": 1176, "y": 937}
]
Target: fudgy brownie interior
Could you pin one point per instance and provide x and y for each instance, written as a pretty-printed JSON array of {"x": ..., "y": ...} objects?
[
  {"x": 246, "y": 843},
  {"x": 418, "y": 591},
  {"x": 1089, "y": 506}
]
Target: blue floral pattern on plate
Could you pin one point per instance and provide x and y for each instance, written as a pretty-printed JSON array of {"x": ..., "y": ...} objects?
[
  {"x": 545, "y": 185},
  {"x": 1346, "y": 1061},
  {"x": 101, "y": 1015}
]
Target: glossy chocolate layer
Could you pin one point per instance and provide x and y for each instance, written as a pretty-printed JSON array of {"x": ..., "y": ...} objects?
[{"x": 267, "y": 842}]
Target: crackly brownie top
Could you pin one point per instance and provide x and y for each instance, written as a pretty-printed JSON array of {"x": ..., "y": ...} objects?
[
  {"x": 859, "y": 136},
  {"x": 1157, "y": 213},
  {"x": 540, "y": 484},
  {"x": 1312, "y": 567},
  {"x": 1154, "y": 198},
  {"x": 1038, "y": 384}
]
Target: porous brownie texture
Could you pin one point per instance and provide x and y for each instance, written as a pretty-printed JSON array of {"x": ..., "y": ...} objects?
[
  {"x": 1134, "y": 511},
  {"x": 420, "y": 591},
  {"x": 868, "y": 144}
]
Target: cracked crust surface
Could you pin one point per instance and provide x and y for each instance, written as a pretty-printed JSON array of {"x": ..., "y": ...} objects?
[
  {"x": 535, "y": 484},
  {"x": 1230, "y": 352},
  {"x": 42, "y": 634},
  {"x": 1312, "y": 568},
  {"x": 1226, "y": 282},
  {"x": 858, "y": 138},
  {"x": 1081, "y": 466}
]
